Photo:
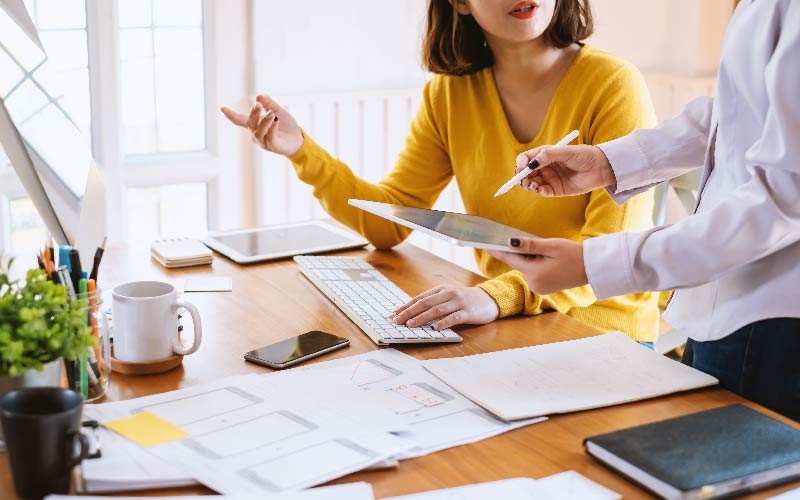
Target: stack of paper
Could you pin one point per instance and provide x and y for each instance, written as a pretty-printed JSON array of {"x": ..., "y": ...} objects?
[
  {"x": 569, "y": 376},
  {"x": 181, "y": 252},
  {"x": 353, "y": 491},
  {"x": 563, "y": 486}
]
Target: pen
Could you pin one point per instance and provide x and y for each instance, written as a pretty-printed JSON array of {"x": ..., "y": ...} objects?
[
  {"x": 75, "y": 271},
  {"x": 52, "y": 252},
  {"x": 98, "y": 256},
  {"x": 63, "y": 256},
  {"x": 528, "y": 169},
  {"x": 63, "y": 276}
]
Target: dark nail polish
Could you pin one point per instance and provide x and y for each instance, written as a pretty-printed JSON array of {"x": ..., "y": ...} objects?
[
  {"x": 276, "y": 118},
  {"x": 533, "y": 164},
  {"x": 514, "y": 242}
]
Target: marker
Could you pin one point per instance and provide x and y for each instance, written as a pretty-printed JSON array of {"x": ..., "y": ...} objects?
[
  {"x": 98, "y": 256},
  {"x": 528, "y": 169}
]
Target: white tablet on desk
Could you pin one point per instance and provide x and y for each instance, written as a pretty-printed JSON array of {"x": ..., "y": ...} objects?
[
  {"x": 459, "y": 229},
  {"x": 286, "y": 240}
]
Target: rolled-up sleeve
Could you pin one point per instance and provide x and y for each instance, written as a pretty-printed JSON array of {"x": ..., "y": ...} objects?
[{"x": 646, "y": 157}]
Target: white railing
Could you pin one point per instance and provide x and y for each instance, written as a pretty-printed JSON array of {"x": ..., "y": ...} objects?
[{"x": 367, "y": 131}]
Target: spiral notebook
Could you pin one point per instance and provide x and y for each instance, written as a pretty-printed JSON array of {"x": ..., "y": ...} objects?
[{"x": 181, "y": 252}]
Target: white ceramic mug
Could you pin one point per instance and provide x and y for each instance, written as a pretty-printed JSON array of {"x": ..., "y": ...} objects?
[{"x": 146, "y": 322}]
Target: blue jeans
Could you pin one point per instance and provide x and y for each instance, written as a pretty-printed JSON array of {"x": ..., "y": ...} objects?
[{"x": 760, "y": 362}]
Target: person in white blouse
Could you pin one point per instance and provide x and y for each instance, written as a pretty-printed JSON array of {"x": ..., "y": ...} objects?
[{"x": 734, "y": 263}]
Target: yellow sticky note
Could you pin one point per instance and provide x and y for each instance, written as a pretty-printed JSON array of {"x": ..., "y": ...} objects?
[{"x": 147, "y": 429}]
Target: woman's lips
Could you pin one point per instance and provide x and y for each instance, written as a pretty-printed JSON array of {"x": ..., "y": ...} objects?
[{"x": 524, "y": 10}]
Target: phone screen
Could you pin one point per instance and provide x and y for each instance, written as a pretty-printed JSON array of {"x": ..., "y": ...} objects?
[{"x": 295, "y": 348}]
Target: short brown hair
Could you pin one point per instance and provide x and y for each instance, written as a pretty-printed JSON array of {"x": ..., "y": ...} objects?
[{"x": 454, "y": 43}]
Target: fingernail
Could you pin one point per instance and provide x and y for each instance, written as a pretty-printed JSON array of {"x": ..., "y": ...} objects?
[
  {"x": 514, "y": 242},
  {"x": 276, "y": 118},
  {"x": 411, "y": 323},
  {"x": 534, "y": 163}
]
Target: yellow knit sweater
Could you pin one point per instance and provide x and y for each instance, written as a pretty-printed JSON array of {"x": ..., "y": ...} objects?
[{"x": 461, "y": 131}]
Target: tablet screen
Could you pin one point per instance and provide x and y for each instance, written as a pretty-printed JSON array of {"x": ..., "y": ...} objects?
[
  {"x": 269, "y": 241},
  {"x": 459, "y": 226}
]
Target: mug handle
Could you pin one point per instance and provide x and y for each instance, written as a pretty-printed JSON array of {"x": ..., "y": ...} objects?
[
  {"x": 76, "y": 454},
  {"x": 177, "y": 346}
]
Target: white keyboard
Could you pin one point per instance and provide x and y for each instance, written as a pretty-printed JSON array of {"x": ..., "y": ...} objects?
[{"x": 367, "y": 297}]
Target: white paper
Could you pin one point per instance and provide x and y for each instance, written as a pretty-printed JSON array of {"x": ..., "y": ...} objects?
[
  {"x": 124, "y": 466},
  {"x": 428, "y": 412},
  {"x": 570, "y": 485},
  {"x": 564, "y": 486},
  {"x": 254, "y": 437},
  {"x": 789, "y": 495},
  {"x": 352, "y": 491},
  {"x": 568, "y": 376}
]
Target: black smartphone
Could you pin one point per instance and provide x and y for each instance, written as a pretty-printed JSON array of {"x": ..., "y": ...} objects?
[{"x": 295, "y": 350}]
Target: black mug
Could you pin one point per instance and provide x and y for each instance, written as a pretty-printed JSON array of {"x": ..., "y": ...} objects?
[{"x": 41, "y": 426}]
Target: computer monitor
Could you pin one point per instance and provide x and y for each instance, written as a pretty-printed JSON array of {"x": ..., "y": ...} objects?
[{"x": 41, "y": 140}]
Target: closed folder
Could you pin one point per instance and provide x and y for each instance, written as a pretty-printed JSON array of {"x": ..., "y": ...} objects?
[{"x": 703, "y": 455}]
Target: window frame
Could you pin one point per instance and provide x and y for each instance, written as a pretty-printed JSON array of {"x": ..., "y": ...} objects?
[{"x": 123, "y": 171}]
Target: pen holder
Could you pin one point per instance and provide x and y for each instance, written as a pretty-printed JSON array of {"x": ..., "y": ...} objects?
[{"x": 90, "y": 374}]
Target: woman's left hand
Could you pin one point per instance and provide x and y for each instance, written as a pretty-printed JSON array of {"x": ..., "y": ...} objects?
[
  {"x": 549, "y": 265},
  {"x": 445, "y": 306}
]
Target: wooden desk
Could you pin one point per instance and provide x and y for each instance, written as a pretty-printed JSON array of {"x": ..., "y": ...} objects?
[{"x": 273, "y": 301}]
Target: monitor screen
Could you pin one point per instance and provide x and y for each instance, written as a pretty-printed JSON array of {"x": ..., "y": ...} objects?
[{"x": 44, "y": 103}]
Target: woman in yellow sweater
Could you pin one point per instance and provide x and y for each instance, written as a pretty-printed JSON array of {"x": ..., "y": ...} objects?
[{"x": 510, "y": 75}]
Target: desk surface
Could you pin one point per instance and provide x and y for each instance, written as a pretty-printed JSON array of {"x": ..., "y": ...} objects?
[{"x": 273, "y": 301}]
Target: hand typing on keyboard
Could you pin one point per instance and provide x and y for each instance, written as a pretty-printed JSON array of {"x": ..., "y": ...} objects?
[
  {"x": 368, "y": 298},
  {"x": 445, "y": 306}
]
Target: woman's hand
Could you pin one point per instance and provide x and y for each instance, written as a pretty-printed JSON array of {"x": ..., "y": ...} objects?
[
  {"x": 446, "y": 306},
  {"x": 566, "y": 171},
  {"x": 549, "y": 265},
  {"x": 271, "y": 126}
]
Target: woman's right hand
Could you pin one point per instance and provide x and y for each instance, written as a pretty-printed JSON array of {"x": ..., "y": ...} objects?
[
  {"x": 566, "y": 171},
  {"x": 270, "y": 125}
]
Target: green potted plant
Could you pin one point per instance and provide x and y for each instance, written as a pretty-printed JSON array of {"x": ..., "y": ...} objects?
[{"x": 39, "y": 328}]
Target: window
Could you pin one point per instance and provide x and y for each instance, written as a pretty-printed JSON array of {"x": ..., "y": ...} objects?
[
  {"x": 27, "y": 229},
  {"x": 167, "y": 211},
  {"x": 162, "y": 76}
]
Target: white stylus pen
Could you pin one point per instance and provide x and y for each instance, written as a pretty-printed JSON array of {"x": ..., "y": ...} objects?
[{"x": 527, "y": 170}]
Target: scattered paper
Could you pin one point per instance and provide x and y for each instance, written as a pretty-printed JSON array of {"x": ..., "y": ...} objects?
[
  {"x": 789, "y": 495},
  {"x": 433, "y": 415},
  {"x": 147, "y": 429},
  {"x": 253, "y": 436},
  {"x": 352, "y": 491},
  {"x": 564, "y": 486}
]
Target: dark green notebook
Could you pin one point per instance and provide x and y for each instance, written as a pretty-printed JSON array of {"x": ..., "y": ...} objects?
[{"x": 709, "y": 454}]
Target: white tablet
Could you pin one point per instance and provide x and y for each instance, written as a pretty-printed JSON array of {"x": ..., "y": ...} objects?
[
  {"x": 285, "y": 240},
  {"x": 459, "y": 229}
]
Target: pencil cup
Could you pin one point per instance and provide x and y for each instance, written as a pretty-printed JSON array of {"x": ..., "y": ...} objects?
[{"x": 90, "y": 374}]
